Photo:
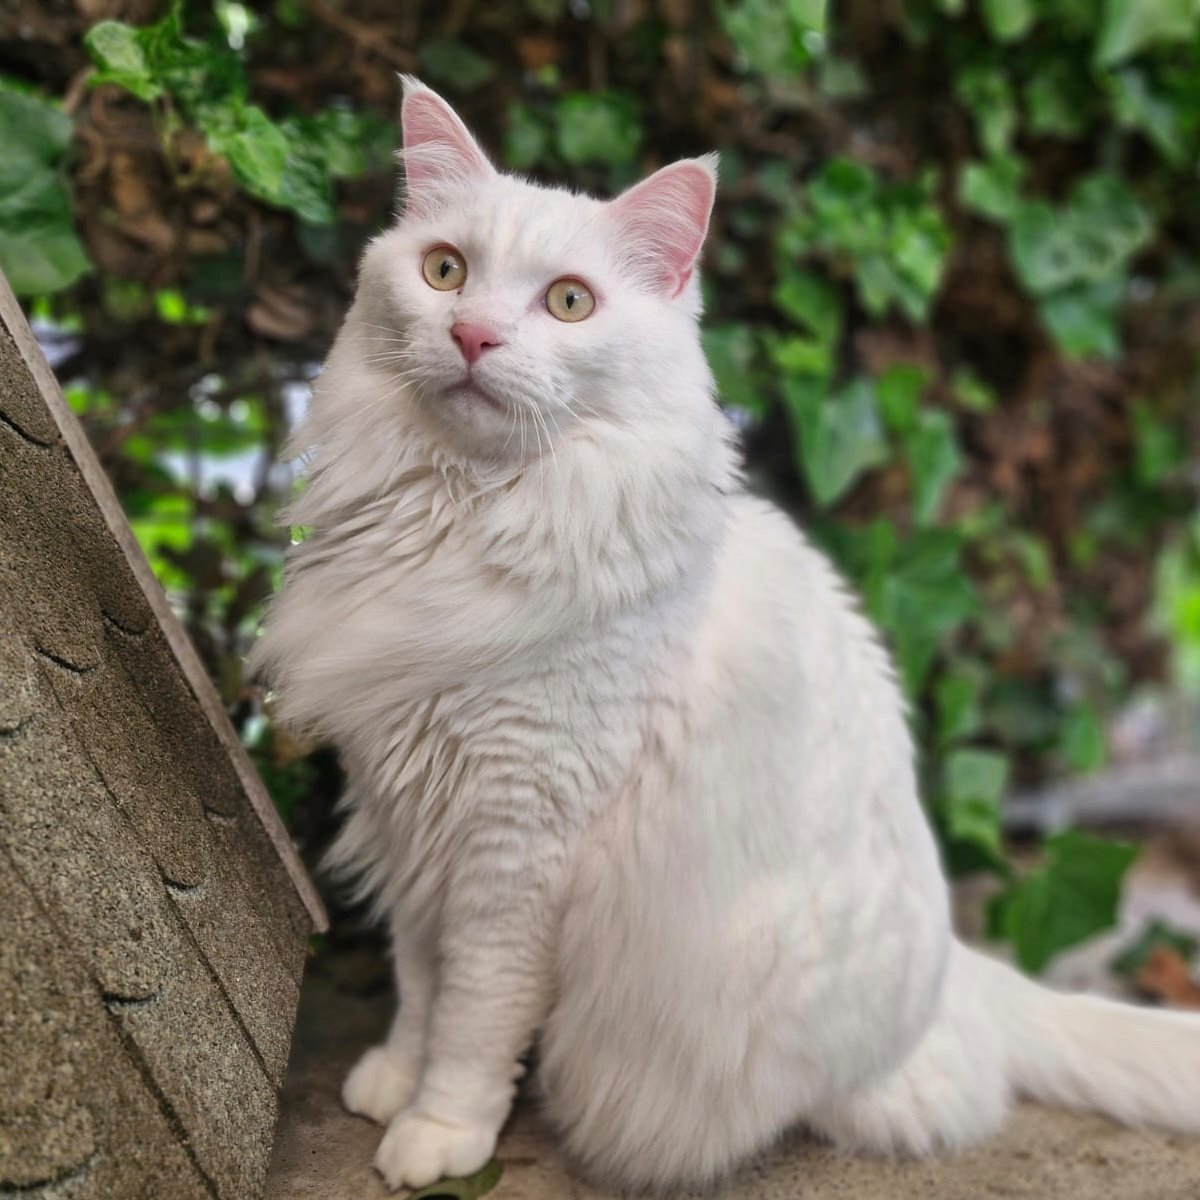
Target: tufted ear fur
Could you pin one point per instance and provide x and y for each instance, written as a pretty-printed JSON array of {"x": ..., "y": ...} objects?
[
  {"x": 663, "y": 221},
  {"x": 438, "y": 148}
]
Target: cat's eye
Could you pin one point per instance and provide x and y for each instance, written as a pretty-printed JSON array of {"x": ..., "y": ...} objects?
[
  {"x": 444, "y": 268},
  {"x": 570, "y": 300}
]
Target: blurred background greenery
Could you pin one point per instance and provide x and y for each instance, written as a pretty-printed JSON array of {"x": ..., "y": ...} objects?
[{"x": 953, "y": 296}]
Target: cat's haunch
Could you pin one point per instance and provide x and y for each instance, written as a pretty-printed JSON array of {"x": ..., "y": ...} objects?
[{"x": 627, "y": 769}]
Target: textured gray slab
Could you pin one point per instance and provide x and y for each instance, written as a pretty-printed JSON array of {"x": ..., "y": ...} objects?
[
  {"x": 323, "y": 1153},
  {"x": 154, "y": 919}
]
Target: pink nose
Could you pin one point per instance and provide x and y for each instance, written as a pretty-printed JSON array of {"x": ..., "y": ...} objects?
[{"x": 473, "y": 340}]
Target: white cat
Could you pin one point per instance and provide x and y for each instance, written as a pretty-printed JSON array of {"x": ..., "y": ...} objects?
[{"x": 626, "y": 766}]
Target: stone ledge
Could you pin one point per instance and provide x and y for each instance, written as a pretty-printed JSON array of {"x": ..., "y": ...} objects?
[{"x": 324, "y": 1153}]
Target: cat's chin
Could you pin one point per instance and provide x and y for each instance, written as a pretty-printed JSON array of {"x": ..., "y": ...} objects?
[
  {"x": 471, "y": 396},
  {"x": 471, "y": 418}
]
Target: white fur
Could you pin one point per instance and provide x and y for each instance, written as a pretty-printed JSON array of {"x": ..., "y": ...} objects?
[{"x": 626, "y": 765}]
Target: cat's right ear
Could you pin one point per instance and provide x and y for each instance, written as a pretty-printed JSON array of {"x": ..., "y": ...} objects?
[{"x": 438, "y": 148}]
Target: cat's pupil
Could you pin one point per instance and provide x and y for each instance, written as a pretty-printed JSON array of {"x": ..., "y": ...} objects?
[
  {"x": 445, "y": 268},
  {"x": 570, "y": 298}
]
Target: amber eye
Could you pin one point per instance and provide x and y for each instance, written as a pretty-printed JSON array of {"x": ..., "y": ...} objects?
[
  {"x": 570, "y": 300},
  {"x": 444, "y": 268}
]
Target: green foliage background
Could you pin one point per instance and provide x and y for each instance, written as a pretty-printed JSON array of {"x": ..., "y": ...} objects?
[{"x": 953, "y": 292}]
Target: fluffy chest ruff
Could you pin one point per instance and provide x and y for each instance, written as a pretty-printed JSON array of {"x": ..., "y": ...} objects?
[{"x": 485, "y": 657}]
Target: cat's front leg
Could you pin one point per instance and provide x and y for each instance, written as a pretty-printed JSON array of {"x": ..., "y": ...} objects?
[
  {"x": 384, "y": 1079},
  {"x": 493, "y": 992}
]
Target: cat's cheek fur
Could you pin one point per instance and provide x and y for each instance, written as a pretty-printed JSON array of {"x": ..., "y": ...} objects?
[{"x": 625, "y": 763}]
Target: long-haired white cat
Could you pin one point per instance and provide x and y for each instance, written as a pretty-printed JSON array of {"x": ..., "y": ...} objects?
[{"x": 627, "y": 769}]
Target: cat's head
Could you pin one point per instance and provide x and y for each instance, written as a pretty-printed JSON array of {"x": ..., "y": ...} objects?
[{"x": 509, "y": 314}]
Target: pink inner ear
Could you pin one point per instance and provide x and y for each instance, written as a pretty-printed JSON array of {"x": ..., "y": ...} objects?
[
  {"x": 663, "y": 221},
  {"x": 437, "y": 145}
]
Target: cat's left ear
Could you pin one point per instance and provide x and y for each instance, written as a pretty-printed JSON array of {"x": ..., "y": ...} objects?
[
  {"x": 662, "y": 221},
  {"x": 438, "y": 148}
]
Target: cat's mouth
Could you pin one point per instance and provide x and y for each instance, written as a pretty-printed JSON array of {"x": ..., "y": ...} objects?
[{"x": 471, "y": 392}]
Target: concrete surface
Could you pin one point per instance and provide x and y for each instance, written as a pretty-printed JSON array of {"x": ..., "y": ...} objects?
[{"x": 323, "y": 1153}]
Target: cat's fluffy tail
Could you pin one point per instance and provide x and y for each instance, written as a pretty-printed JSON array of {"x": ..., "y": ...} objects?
[
  {"x": 1138, "y": 1065},
  {"x": 998, "y": 1035}
]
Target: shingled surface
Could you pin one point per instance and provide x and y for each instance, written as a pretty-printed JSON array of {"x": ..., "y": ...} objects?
[{"x": 154, "y": 921}]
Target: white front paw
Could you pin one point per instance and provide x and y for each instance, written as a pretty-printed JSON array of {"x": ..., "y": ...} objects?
[
  {"x": 378, "y": 1087},
  {"x": 418, "y": 1150}
]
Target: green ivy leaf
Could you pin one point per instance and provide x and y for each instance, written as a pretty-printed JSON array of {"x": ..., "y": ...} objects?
[
  {"x": 798, "y": 355},
  {"x": 304, "y": 187},
  {"x": 345, "y": 144},
  {"x": 993, "y": 188},
  {"x": 1083, "y": 742},
  {"x": 1008, "y": 20},
  {"x": 469, "y": 1188},
  {"x": 918, "y": 248},
  {"x": 39, "y": 251},
  {"x": 1072, "y": 897},
  {"x": 40, "y": 260},
  {"x": 839, "y": 434},
  {"x": 527, "y": 139},
  {"x": 1058, "y": 100},
  {"x": 1087, "y": 240},
  {"x": 774, "y": 37},
  {"x": 732, "y": 351},
  {"x": 956, "y": 695},
  {"x": 894, "y": 236},
  {"x": 116, "y": 48},
  {"x": 988, "y": 95},
  {"x": 1159, "y": 448},
  {"x": 1137, "y": 106},
  {"x": 1083, "y": 319},
  {"x": 934, "y": 460},
  {"x": 257, "y": 149},
  {"x": 899, "y": 391},
  {"x": 923, "y": 595},
  {"x": 971, "y": 392},
  {"x": 973, "y": 784},
  {"x": 597, "y": 127},
  {"x": 456, "y": 64},
  {"x": 811, "y": 301},
  {"x": 1129, "y": 26},
  {"x": 1043, "y": 248},
  {"x": 841, "y": 78}
]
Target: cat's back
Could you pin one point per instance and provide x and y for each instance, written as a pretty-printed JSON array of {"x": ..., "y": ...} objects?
[{"x": 794, "y": 716}]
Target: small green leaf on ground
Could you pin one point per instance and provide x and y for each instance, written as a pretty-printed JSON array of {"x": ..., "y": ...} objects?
[{"x": 469, "y": 1188}]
